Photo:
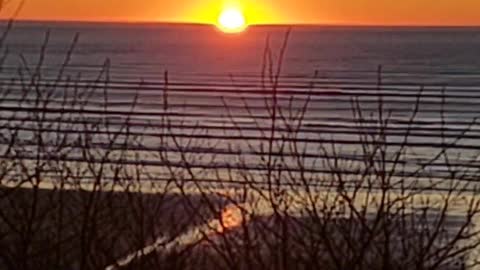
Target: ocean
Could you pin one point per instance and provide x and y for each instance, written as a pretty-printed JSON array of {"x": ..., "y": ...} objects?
[
  {"x": 220, "y": 88},
  {"x": 414, "y": 55}
]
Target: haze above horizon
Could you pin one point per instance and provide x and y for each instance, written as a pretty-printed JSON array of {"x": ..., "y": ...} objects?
[{"x": 312, "y": 12}]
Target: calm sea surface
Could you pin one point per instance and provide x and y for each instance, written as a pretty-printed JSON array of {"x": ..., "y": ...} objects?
[
  {"x": 215, "y": 86},
  {"x": 443, "y": 55}
]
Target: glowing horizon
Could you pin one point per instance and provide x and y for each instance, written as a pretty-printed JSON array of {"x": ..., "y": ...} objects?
[{"x": 339, "y": 12}]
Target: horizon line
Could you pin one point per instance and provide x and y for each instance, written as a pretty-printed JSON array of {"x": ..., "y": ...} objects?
[{"x": 293, "y": 24}]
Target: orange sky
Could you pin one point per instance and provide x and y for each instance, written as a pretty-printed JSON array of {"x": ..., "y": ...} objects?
[{"x": 381, "y": 12}]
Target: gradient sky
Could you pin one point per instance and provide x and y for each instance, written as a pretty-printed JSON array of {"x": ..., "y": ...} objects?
[{"x": 377, "y": 12}]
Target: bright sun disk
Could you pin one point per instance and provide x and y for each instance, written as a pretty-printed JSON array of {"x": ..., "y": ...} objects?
[{"x": 232, "y": 21}]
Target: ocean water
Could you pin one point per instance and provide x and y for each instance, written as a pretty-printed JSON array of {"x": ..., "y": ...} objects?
[
  {"x": 443, "y": 55},
  {"x": 219, "y": 88}
]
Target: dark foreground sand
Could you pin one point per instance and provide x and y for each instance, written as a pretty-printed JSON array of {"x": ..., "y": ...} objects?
[{"x": 48, "y": 229}]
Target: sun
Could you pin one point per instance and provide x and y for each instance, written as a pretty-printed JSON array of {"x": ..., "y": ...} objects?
[{"x": 232, "y": 20}]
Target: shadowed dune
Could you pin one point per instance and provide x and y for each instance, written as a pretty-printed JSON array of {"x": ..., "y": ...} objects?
[
  {"x": 94, "y": 229},
  {"x": 270, "y": 242}
]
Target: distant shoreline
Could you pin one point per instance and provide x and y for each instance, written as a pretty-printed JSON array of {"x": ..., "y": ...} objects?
[{"x": 189, "y": 24}]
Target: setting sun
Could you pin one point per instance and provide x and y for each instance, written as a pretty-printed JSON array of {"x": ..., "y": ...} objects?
[{"x": 232, "y": 21}]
